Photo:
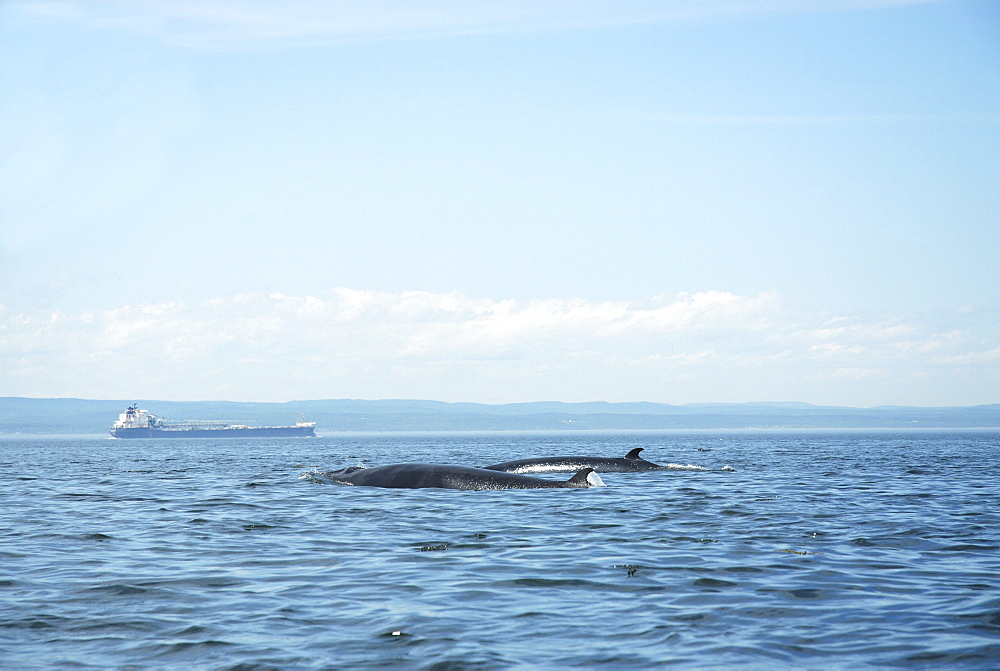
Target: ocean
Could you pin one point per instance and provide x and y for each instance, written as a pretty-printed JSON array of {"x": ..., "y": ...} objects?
[{"x": 818, "y": 549}]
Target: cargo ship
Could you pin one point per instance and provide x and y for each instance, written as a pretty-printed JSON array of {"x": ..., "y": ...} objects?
[{"x": 138, "y": 423}]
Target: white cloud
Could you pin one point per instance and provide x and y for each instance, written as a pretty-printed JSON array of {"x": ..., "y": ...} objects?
[
  {"x": 349, "y": 343},
  {"x": 989, "y": 357}
]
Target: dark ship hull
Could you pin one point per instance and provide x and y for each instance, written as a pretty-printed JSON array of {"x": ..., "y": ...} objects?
[{"x": 228, "y": 432}]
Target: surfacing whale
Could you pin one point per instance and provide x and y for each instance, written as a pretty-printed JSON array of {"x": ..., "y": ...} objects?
[
  {"x": 442, "y": 476},
  {"x": 630, "y": 463}
]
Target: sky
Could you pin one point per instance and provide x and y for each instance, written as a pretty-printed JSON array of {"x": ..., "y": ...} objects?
[{"x": 680, "y": 201}]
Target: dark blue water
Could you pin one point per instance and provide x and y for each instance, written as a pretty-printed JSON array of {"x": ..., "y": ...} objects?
[{"x": 833, "y": 550}]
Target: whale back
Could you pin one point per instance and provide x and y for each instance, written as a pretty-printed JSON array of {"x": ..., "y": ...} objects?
[
  {"x": 630, "y": 463},
  {"x": 443, "y": 476}
]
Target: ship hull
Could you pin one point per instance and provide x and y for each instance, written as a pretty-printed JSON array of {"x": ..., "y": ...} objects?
[{"x": 240, "y": 432}]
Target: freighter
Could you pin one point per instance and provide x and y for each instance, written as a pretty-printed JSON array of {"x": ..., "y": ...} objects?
[{"x": 138, "y": 423}]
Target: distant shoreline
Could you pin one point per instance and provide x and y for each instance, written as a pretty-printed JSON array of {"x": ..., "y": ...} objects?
[{"x": 35, "y": 416}]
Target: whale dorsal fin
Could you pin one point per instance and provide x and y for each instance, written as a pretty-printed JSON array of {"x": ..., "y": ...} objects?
[
  {"x": 634, "y": 454},
  {"x": 581, "y": 479}
]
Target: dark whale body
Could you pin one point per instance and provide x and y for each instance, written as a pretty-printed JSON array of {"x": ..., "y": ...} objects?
[
  {"x": 419, "y": 476},
  {"x": 630, "y": 463}
]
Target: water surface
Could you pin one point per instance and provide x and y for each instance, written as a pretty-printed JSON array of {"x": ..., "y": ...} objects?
[{"x": 820, "y": 549}]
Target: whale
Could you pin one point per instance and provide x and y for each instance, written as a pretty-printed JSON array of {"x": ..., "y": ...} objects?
[
  {"x": 630, "y": 463},
  {"x": 444, "y": 476}
]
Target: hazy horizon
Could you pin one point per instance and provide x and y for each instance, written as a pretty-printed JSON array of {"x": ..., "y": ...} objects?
[
  {"x": 541, "y": 402},
  {"x": 675, "y": 202}
]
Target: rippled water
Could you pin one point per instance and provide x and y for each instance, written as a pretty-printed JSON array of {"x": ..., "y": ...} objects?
[{"x": 832, "y": 550}]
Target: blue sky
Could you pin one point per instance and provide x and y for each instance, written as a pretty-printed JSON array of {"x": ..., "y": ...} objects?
[{"x": 670, "y": 201}]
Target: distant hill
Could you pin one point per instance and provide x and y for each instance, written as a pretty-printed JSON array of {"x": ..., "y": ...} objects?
[{"x": 82, "y": 416}]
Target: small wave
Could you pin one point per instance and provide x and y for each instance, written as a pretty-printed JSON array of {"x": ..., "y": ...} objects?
[
  {"x": 97, "y": 536},
  {"x": 35, "y": 622},
  {"x": 119, "y": 589},
  {"x": 714, "y": 582}
]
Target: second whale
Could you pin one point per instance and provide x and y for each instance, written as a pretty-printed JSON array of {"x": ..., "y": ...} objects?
[{"x": 630, "y": 463}]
